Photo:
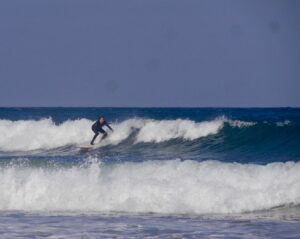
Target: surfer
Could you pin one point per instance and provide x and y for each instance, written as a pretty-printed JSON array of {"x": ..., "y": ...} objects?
[{"x": 97, "y": 128}]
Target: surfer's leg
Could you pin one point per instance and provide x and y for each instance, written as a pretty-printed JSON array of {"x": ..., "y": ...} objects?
[
  {"x": 95, "y": 136},
  {"x": 104, "y": 135}
]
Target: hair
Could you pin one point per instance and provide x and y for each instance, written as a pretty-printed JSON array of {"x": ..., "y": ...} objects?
[{"x": 100, "y": 117}]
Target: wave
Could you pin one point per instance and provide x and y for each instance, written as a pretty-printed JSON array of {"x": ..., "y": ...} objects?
[
  {"x": 171, "y": 187},
  {"x": 218, "y": 135},
  {"x": 24, "y": 135}
]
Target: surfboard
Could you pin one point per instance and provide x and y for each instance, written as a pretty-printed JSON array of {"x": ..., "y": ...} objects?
[{"x": 85, "y": 146}]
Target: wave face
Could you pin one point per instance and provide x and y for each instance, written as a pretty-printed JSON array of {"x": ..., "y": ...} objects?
[{"x": 171, "y": 187}]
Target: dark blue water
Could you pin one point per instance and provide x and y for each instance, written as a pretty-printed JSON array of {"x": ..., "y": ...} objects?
[{"x": 167, "y": 172}]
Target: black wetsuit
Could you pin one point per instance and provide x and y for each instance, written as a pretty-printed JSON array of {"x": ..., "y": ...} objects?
[{"x": 97, "y": 128}]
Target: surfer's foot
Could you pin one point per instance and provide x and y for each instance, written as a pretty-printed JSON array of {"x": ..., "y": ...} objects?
[{"x": 92, "y": 143}]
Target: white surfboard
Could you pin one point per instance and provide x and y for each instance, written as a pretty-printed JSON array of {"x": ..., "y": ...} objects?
[{"x": 85, "y": 146}]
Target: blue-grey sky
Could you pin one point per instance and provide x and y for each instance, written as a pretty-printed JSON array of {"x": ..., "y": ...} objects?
[{"x": 150, "y": 53}]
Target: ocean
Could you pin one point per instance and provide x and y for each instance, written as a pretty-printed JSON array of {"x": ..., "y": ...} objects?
[{"x": 162, "y": 173}]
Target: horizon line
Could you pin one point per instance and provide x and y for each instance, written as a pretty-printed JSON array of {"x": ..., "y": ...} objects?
[{"x": 150, "y": 107}]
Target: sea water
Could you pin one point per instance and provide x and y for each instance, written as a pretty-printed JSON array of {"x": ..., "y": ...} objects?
[{"x": 162, "y": 173}]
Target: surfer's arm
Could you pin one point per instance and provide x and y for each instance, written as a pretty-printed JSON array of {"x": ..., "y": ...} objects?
[{"x": 109, "y": 126}]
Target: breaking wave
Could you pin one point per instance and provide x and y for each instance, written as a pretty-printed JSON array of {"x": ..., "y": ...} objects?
[
  {"x": 171, "y": 187},
  {"x": 25, "y": 135}
]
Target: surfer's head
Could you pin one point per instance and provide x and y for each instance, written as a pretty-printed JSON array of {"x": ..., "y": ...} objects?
[{"x": 101, "y": 119}]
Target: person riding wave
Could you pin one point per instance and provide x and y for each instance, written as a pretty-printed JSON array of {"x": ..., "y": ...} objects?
[{"x": 97, "y": 128}]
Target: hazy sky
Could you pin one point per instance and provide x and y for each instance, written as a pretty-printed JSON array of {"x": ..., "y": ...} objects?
[{"x": 150, "y": 53}]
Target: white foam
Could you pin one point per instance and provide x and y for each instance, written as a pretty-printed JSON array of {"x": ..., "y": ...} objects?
[
  {"x": 283, "y": 123},
  {"x": 155, "y": 186},
  {"x": 240, "y": 124},
  {"x": 159, "y": 131},
  {"x": 24, "y": 135},
  {"x": 237, "y": 123}
]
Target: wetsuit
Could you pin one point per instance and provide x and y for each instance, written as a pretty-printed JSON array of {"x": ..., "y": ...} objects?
[{"x": 97, "y": 128}]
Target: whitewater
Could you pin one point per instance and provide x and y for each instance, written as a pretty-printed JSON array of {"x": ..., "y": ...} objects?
[{"x": 151, "y": 187}]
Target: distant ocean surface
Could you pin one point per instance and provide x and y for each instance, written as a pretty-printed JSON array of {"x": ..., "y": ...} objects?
[{"x": 162, "y": 173}]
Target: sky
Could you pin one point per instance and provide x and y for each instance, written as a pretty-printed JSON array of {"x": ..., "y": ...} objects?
[{"x": 149, "y": 53}]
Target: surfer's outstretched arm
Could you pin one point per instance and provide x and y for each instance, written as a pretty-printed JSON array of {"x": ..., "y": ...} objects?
[{"x": 108, "y": 126}]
